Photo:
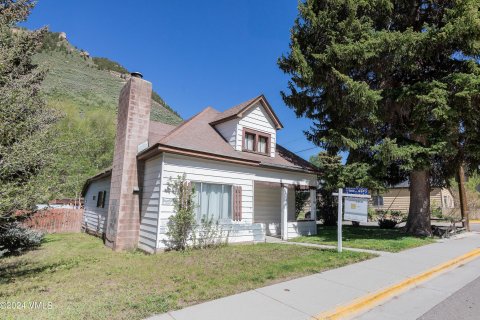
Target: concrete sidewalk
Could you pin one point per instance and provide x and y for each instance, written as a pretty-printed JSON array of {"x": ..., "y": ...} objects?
[
  {"x": 306, "y": 297},
  {"x": 432, "y": 294}
]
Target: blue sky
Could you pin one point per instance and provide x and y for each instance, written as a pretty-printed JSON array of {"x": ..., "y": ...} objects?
[{"x": 196, "y": 53}]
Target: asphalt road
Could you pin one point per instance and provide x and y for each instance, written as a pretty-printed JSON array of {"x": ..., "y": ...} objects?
[
  {"x": 475, "y": 227},
  {"x": 463, "y": 304}
]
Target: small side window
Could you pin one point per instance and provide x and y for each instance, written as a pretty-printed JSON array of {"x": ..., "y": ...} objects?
[
  {"x": 377, "y": 201},
  {"x": 99, "y": 199},
  {"x": 103, "y": 198}
]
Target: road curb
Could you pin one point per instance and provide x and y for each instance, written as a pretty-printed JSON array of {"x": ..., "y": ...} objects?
[{"x": 370, "y": 300}]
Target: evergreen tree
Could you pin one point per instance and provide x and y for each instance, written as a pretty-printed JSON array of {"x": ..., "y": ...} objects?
[
  {"x": 393, "y": 83},
  {"x": 24, "y": 119},
  {"x": 334, "y": 175}
]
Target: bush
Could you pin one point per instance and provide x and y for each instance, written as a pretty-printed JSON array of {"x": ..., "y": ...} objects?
[
  {"x": 210, "y": 234},
  {"x": 107, "y": 64},
  {"x": 183, "y": 231},
  {"x": 301, "y": 198},
  {"x": 436, "y": 212},
  {"x": 388, "y": 219},
  {"x": 16, "y": 238},
  {"x": 181, "y": 225},
  {"x": 372, "y": 214}
]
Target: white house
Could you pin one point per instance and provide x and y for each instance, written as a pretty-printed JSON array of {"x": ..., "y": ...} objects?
[{"x": 243, "y": 178}]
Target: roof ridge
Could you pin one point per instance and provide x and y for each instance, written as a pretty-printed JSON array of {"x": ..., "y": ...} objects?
[
  {"x": 180, "y": 127},
  {"x": 238, "y": 110}
]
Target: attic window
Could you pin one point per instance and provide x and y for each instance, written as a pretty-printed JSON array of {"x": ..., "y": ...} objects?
[
  {"x": 249, "y": 141},
  {"x": 255, "y": 141},
  {"x": 262, "y": 144}
]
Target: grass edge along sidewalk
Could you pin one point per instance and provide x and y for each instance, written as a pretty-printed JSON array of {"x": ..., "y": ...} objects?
[
  {"x": 83, "y": 279},
  {"x": 366, "y": 237}
]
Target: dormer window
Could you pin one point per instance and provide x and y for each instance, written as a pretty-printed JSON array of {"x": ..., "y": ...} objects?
[
  {"x": 262, "y": 144},
  {"x": 249, "y": 141},
  {"x": 255, "y": 141}
]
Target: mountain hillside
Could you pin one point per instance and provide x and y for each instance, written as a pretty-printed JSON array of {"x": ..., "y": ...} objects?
[
  {"x": 91, "y": 82},
  {"x": 85, "y": 92}
]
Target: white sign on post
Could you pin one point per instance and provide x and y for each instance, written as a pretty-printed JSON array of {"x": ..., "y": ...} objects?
[{"x": 356, "y": 209}]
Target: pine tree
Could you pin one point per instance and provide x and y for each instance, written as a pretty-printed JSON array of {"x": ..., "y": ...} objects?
[
  {"x": 394, "y": 83},
  {"x": 334, "y": 175},
  {"x": 24, "y": 119}
]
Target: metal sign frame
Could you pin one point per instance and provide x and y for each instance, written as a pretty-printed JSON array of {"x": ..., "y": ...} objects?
[{"x": 340, "y": 196}]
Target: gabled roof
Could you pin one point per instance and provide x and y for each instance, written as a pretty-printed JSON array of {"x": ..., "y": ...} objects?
[
  {"x": 239, "y": 110},
  {"x": 198, "y": 137},
  {"x": 103, "y": 174}
]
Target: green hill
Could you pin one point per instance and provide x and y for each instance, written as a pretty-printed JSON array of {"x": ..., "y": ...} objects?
[
  {"x": 90, "y": 82},
  {"x": 85, "y": 91}
]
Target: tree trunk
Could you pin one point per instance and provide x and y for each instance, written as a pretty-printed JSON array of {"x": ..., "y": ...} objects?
[
  {"x": 418, "y": 222},
  {"x": 463, "y": 198}
]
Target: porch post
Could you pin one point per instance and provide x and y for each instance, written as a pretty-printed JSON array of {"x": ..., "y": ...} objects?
[
  {"x": 284, "y": 212},
  {"x": 313, "y": 208},
  {"x": 313, "y": 203}
]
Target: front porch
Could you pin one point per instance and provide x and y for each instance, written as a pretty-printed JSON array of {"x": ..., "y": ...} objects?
[{"x": 274, "y": 209}]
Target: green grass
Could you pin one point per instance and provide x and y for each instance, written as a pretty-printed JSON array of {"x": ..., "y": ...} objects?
[
  {"x": 83, "y": 279},
  {"x": 373, "y": 238}
]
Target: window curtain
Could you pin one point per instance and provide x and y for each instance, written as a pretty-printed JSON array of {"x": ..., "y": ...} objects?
[
  {"x": 214, "y": 201},
  {"x": 227, "y": 202},
  {"x": 262, "y": 144},
  {"x": 196, "y": 200},
  {"x": 212, "y": 193},
  {"x": 249, "y": 139}
]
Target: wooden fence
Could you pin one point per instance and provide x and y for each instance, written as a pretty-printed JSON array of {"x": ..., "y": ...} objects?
[{"x": 56, "y": 220}]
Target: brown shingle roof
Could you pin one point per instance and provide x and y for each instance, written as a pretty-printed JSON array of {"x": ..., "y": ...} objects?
[
  {"x": 197, "y": 134},
  {"x": 158, "y": 130}
]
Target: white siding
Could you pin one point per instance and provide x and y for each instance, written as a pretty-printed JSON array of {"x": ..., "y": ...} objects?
[
  {"x": 301, "y": 228},
  {"x": 201, "y": 170},
  {"x": 257, "y": 119},
  {"x": 213, "y": 172},
  {"x": 93, "y": 217},
  {"x": 228, "y": 130},
  {"x": 150, "y": 204},
  {"x": 267, "y": 208}
]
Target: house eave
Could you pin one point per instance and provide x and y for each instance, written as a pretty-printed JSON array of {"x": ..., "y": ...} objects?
[
  {"x": 159, "y": 148},
  {"x": 103, "y": 174},
  {"x": 288, "y": 168}
]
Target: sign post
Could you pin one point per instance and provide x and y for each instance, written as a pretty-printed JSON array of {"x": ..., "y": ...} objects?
[
  {"x": 356, "y": 208},
  {"x": 339, "y": 220}
]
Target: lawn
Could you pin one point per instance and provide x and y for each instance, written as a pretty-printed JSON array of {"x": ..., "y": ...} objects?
[
  {"x": 83, "y": 279},
  {"x": 373, "y": 238}
]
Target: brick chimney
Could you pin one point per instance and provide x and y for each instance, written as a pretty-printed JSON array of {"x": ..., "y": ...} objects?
[{"x": 133, "y": 120}]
